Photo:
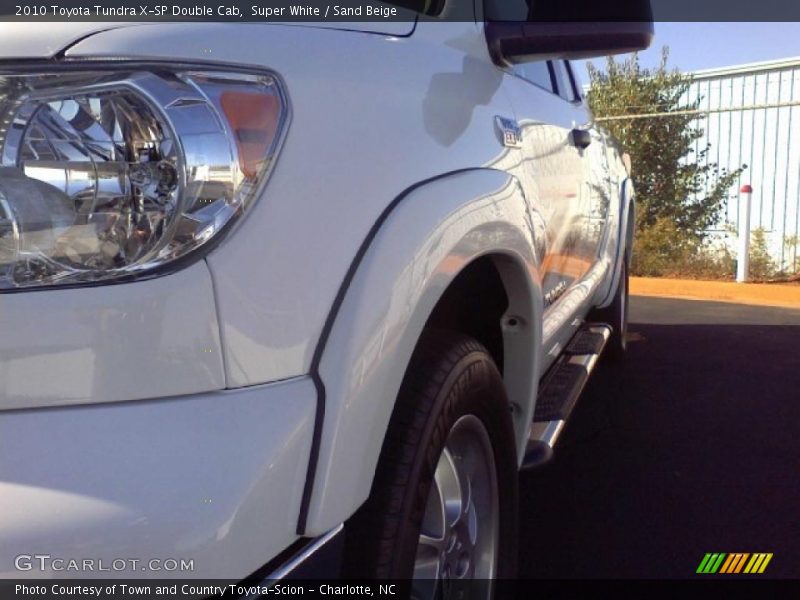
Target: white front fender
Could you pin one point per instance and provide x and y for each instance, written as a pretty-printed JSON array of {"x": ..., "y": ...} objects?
[{"x": 419, "y": 246}]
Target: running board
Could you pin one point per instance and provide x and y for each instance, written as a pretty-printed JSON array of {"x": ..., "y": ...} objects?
[{"x": 560, "y": 390}]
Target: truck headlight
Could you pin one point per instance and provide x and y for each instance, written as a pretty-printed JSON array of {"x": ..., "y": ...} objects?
[{"x": 112, "y": 174}]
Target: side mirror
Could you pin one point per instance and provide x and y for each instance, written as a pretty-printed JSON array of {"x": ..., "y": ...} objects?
[{"x": 571, "y": 30}]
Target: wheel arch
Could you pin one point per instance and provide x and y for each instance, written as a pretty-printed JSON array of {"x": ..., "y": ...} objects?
[
  {"x": 446, "y": 228},
  {"x": 622, "y": 251},
  {"x": 491, "y": 301}
]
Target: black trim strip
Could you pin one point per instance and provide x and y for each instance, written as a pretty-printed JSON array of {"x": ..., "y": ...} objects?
[
  {"x": 319, "y": 417},
  {"x": 276, "y": 562},
  {"x": 62, "y": 54},
  {"x": 304, "y": 560}
]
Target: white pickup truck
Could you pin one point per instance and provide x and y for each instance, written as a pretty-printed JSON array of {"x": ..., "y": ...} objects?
[{"x": 279, "y": 297}]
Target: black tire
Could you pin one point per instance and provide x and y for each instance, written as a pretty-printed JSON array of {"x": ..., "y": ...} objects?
[
  {"x": 450, "y": 376},
  {"x": 616, "y": 315}
]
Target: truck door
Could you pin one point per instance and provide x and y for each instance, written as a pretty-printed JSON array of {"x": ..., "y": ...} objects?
[
  {"x": 559, "y": 148},
  {"x": 596, "y": 183}
]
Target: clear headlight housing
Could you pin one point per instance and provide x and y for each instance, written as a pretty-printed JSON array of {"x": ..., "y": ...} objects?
[{"x": 107, "y": 175}]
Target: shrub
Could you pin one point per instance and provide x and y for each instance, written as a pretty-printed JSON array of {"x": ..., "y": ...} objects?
[
  {"x": 664, "y": 250},
  {"x": 762, "y": 265}
]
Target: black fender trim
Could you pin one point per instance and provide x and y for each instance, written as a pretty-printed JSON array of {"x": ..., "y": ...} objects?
[{"x": 319, "y": 416}]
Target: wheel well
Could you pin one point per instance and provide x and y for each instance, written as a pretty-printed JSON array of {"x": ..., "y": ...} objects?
[{"x": 474, "y": 304}]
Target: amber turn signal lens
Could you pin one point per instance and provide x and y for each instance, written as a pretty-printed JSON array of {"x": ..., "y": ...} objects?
[{"x": 254, "y": 120}]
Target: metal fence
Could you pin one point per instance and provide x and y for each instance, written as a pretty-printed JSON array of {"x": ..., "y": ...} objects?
[{"x": 750, "y": 116}]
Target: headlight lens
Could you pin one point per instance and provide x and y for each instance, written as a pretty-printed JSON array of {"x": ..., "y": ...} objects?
[{"x": 107, "y": 175}]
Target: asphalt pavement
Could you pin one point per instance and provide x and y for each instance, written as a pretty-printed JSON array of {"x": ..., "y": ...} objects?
[{"x": 691, "y": 446}]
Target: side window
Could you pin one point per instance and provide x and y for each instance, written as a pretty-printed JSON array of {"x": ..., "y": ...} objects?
[
  {"x": 538, "y": 73},
  {"x": 576, "y": 84},
  {"x": 564, "y": 82}
]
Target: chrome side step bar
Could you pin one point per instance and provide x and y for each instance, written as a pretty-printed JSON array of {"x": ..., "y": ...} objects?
[{"x": 560, "y": 390}]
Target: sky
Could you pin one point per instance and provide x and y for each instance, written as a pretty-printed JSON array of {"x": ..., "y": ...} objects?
[{"x": 694, "y": 46}]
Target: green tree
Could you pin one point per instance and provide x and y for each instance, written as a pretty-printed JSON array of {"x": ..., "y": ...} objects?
[{"x": 673, "y": 184}]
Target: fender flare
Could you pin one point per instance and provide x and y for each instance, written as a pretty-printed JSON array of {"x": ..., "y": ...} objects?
[
  {"x": 627, "y": 222},
  {"x": 393, "y": 284}
]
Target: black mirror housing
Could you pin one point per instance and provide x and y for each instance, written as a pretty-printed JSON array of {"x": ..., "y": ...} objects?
[
  {"x": 525, "y": 30},
  {"x": 514, "y": 42}
]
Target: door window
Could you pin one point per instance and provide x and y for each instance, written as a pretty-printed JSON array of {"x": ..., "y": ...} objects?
[
  {"x": 564, "y": 84},
  {"x": 538, "y": 72}
]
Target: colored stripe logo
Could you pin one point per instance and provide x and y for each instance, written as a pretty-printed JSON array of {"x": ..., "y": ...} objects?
[{"x": 733, "y": 563}]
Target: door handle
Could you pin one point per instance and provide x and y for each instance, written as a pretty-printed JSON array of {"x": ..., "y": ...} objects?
[{"x": 580, "y": 138}]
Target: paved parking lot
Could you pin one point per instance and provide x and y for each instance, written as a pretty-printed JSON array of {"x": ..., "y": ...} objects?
[{"x": 693, "y": 446}]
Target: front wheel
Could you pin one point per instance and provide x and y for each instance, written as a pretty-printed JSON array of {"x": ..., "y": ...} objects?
[{"x": 443, "y": 506}]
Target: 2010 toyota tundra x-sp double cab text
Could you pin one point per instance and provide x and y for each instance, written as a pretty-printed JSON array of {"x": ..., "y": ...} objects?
[{"x": 270, "y": 292}]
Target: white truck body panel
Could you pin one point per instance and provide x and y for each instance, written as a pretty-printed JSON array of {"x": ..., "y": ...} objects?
[
  {"x": 402, "y": 276},
  {"x": 130, "y": 341},
  {"x": 392, "y": 178},
  {"x": 418, "y": 117},
  {"x": 44, "y": 40},
  {"x": 212, "y": 478}
]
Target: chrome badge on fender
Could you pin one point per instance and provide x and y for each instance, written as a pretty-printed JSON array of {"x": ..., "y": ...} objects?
[{"x": 510, "y": 131}]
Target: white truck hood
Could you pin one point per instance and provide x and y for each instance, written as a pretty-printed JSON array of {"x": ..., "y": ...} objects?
[{"x": 45, "y": 40}]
